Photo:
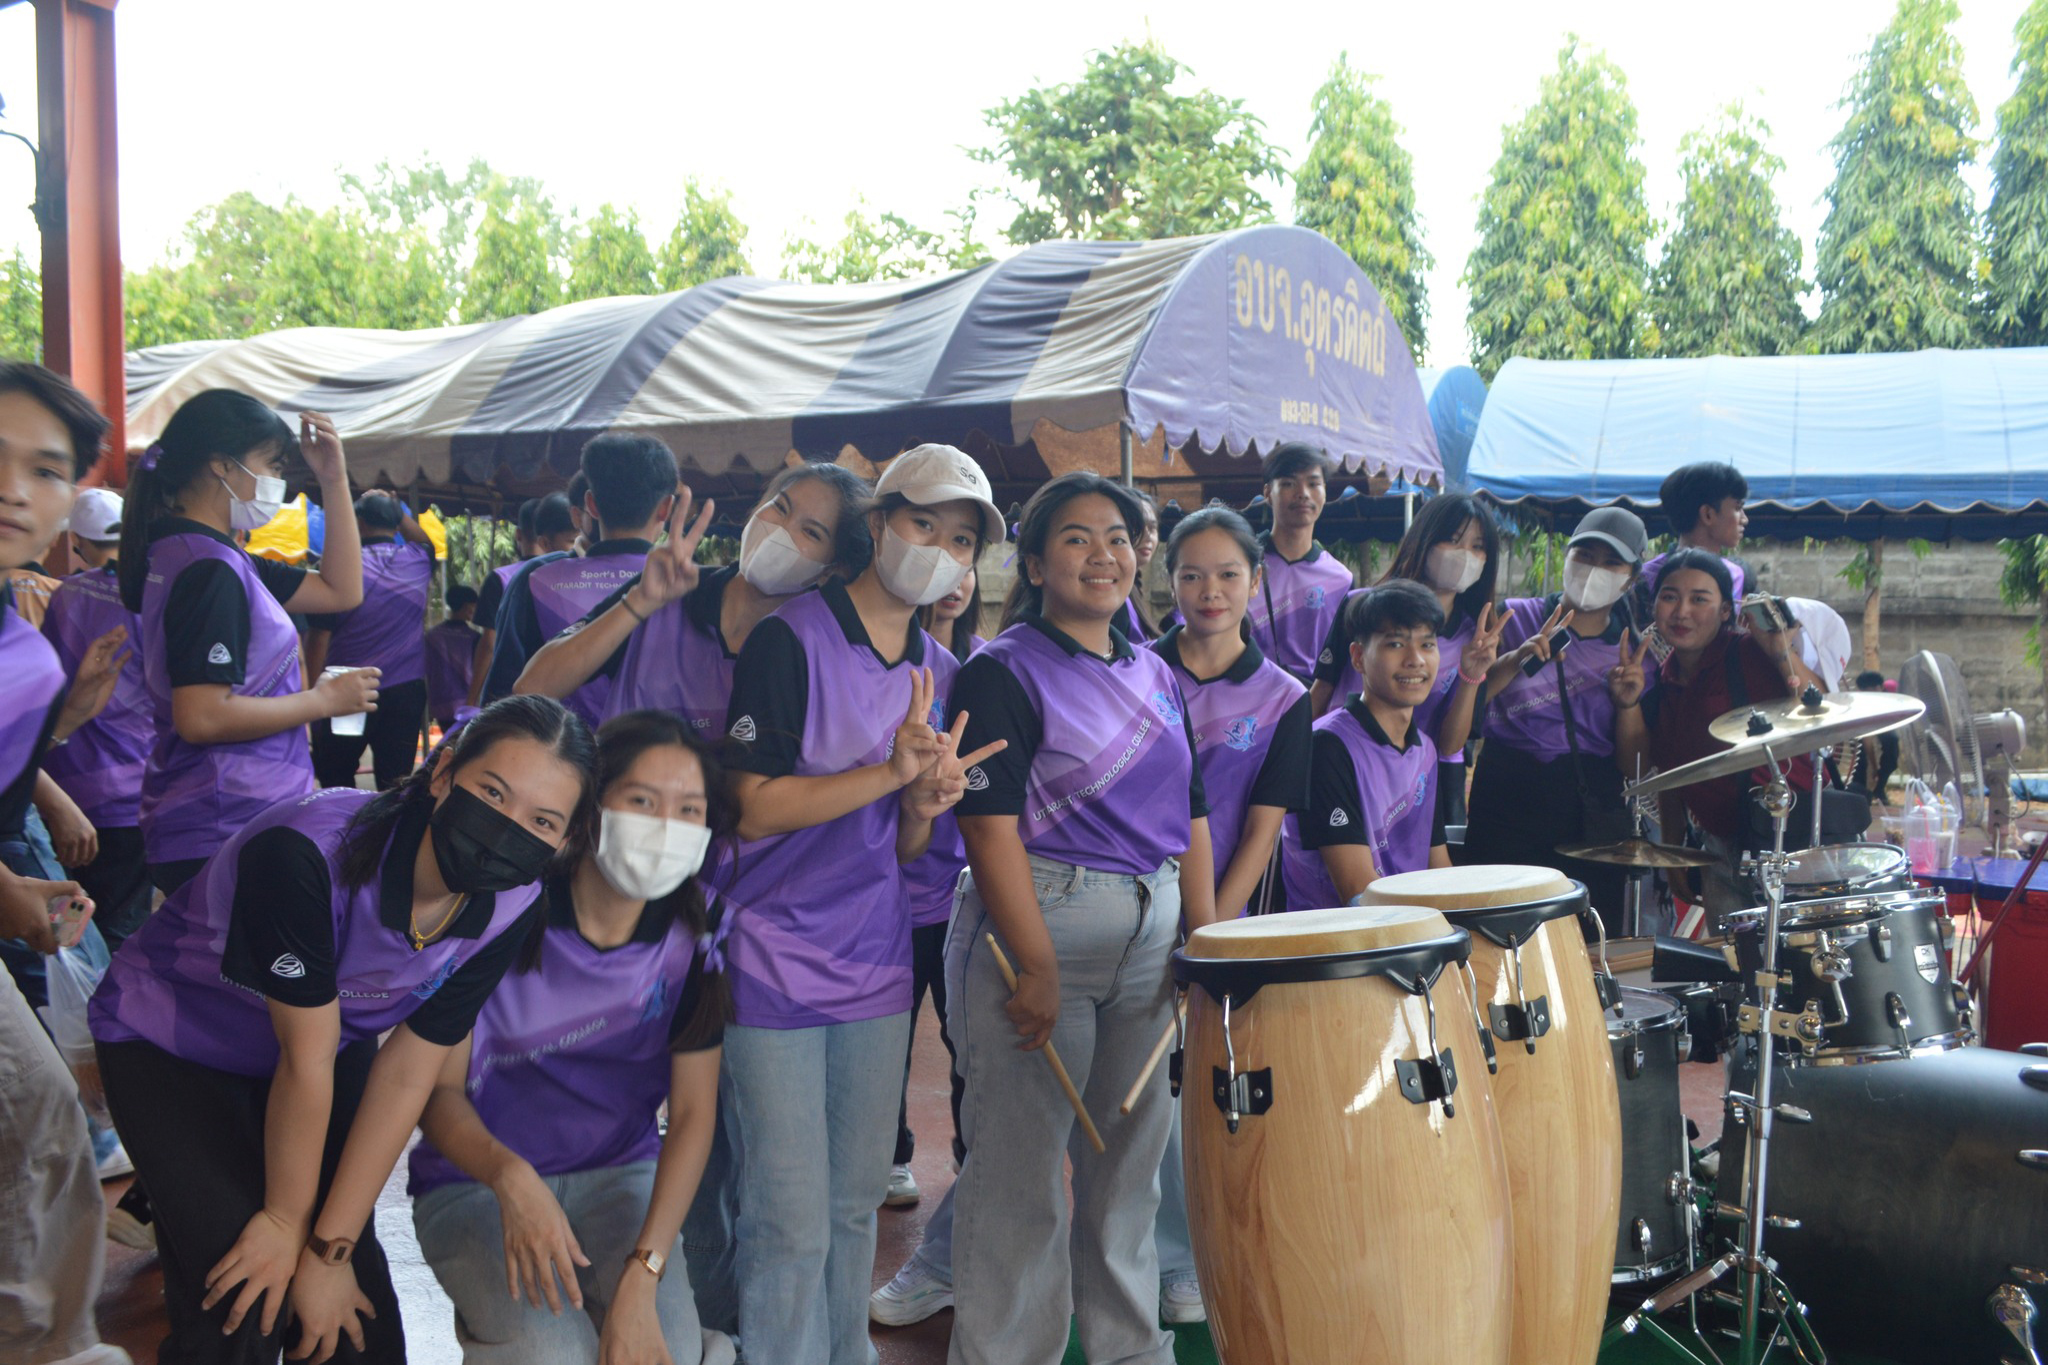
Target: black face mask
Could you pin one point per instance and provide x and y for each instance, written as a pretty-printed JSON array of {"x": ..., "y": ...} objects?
[{"x": 478, "y": 849}]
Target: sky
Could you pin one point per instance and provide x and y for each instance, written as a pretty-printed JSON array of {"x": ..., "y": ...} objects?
[{"x": 800, "y": 109}]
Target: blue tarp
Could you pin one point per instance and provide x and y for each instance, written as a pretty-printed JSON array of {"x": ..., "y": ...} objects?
[
  {"x": 1455, "y": 396},
  {"x": 1921, "y": 443}
]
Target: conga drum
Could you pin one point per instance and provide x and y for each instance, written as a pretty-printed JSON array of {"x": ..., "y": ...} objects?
[
  {"x": 1560, "y": 1115},
  {"x": 1347, "y": 1195}
]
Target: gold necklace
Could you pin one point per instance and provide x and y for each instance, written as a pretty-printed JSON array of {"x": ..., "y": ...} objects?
[{"x": 420, "y": 940}]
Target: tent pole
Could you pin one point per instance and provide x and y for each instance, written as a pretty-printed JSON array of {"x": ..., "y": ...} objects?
[
  {"x": 1123, "y": 452},
  {"x": 1407, "y": 511}
]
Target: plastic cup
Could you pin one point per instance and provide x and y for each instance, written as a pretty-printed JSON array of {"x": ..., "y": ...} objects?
[{"x": 351, "y": 724}]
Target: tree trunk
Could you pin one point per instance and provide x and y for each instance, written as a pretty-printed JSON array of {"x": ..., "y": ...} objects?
[{"x": 1873, "y": 605}]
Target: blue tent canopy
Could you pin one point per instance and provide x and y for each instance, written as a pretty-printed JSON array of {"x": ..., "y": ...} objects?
[
  {"x": 1927, "y": 443},
  {"x": 1455, "y": 396}
]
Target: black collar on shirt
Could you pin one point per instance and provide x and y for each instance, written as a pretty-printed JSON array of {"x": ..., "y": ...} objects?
[
  {"x": 622, "y": 546},
  {"x": 1361, "y": 713},
  {"x": 1119, "y": 647},
  {"x": 185, "y": 526},
  {"x": 705, "y": 601},
  {"x": 1315, "y": 550},
  {"x": 856, "y": 630},
  {"x": 1247, "y": 663},
  {"x": 651, "y": 927},
  {"x": 394, "y": 886},
  {"x": 1619, "y": 617}
]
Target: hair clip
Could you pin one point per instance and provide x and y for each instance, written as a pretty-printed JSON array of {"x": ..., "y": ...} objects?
[{"x": 151, "y": 456}]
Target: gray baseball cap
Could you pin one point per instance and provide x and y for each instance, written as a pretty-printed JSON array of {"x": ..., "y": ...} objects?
[{"x": 1617, "y": 527}]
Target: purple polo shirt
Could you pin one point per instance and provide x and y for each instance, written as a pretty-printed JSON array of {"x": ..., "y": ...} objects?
[
  {"x": 821, "y": 928},
  {"x": 569, "y": 1062},
  {"x": 677, "y": 660},
  {"x": 195, "y": 979},
  {"x": 194, "y": 796},
  {"x": 101, "y": 766},
  {"x": 1295, "y": 605},
  {"x": 1364, "y": 790},
  {"x": 450, "y": 655},
  {"x": 1251, "y": 730},
  {"x": 1333, "y": 666},
  {"x": 1648, "y": 582},
  {"x": 1527, "y": 714},
  {"x": 36, "y": 683},
  {"x": 932, "y": 878},
  {"x": 566, "y": 589},
  {"x": 1100, "y": 751},
  {"x": 387, "y": 630}
]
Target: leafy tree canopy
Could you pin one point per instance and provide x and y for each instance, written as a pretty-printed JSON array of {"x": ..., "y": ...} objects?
[
  {"x": 889, "y": 249},
  {"x": 610, "y": 258},
  {"x": 708, "y": 242},
  {"x": 21, "y": 308},
  {"x": 2016, "y": 229}
]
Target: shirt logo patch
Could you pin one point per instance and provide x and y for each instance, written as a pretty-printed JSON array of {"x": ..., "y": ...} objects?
[
  {"x": 743, "y": 729},
  {"x": 656, "y": 1003},
  {"x": 977, "y": 780},
  {"x": 1313, "y": 598},
  {"x": 937, "y": 719},
  {"x": 425, "y": 990},
  {"x": 1421, "y": 787},
  {"x": 219, "y": 655},
  {"x": 1328, "y": 657},
  {"x": 1238, "y": 734},
  {"x": 1338, "y": 819},
  {"x": 1162, "y": 702},
  {"x": 289, "y": 967}
]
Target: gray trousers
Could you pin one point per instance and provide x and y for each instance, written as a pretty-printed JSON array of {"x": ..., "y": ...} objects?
[
  {"x": 52, "y": 1219},
  {"x": 1019, "y": 1269}
]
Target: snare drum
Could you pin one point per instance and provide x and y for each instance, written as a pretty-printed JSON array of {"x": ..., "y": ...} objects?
[
  {"x": 1648, "y": 1042},
  {"x": 1833, "y": 870},
  {"x": 1559, "y": 1113},
  {"x": 1347, "y": 1194},
  {"x": 1875, "y": 968}
]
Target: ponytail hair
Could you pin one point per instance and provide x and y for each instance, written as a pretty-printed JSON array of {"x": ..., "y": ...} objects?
[
  {"x": 1034, "y": 529},
  {"x": 216, "y": 424}
]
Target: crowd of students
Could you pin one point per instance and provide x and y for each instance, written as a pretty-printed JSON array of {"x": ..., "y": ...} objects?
[{"x": 638, "y": 947}]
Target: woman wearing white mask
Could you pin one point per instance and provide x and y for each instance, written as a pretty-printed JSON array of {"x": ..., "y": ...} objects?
[
  {"x": 220, "y": 656},
  {"x": 1550, "y": 772},
  {"x": 546, "y": 1199}
]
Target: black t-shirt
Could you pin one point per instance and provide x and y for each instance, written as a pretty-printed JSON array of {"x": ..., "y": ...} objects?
[
  {"x": 283, "y": 904},
  {"x": 206, "y": 612},
  {"x": 1283, "y": 779},
  {"x": 1333, "y": 786},
  {"x": 489, "y": 598}
]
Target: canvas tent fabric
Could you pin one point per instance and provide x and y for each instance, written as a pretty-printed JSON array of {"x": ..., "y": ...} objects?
[
  {"x": 1229, "y": 343},
  {"x": 1455, "y": 396},
  {"x": 1918, "y": 443}
]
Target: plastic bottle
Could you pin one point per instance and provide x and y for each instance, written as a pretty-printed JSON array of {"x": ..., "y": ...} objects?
[{"x": 1922, "y": 827}]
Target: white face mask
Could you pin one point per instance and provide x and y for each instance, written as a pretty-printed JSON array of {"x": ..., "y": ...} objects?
[
  {"x": 247, "y": 514},
  {"x": 1452, "y": 569},
  {"x": 917, "y": 574},
  {"x": 645, "y": 856},
  {"x": 771, "y": 561},
  {"x": 1589, "y": 589}
]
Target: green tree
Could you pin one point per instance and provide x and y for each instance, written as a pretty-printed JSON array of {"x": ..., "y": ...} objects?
[
  {"x": 1119, "y": 155},
  {"x": 514, "y": 272},
  {"x": 889, "y": 249},
  {"x": 2016, "y": 228},
  {"x": 21, "y": 308},
  {"x": 1897, "y": 256},
  {"x": 708, "y": 242},
  {"x": 610, "y": 258},
  {"x": 1728, "y": 283},
  {"x": 1559, "y": 270},
  {"x": 1357, "y": 188}
]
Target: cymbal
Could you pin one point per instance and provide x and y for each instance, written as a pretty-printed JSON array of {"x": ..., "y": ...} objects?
[
  {"x": 1788, "y": 728},
  {"x": 1638, "y": 853}
]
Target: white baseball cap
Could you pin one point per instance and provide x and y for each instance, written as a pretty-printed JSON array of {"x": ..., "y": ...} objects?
[
  {"x": 96, "y": 514},
  {"x": 931, "y": 474}
]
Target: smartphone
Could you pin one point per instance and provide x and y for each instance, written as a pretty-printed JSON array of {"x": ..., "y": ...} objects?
[
  {"x": 1559, "y": 641},
  {"x": 68, "y": 916},
  {"x": 1767, "y": 615},
  {"x": 1659, "y": 647}
]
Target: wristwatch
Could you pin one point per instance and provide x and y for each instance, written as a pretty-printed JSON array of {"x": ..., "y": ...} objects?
[
  {"x": 653, "y": 1262},
  {"x": 334, "y": 1252}
]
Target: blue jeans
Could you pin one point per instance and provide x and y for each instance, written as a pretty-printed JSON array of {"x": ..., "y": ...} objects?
[
  {"x": 812, "y": 1109},
  {"x": 1170, "y": 1229},
  {"x": 461, "y": 1234},
  {"x": 1019, "y": 1267},
  {"x": 709, "y": 1227}
]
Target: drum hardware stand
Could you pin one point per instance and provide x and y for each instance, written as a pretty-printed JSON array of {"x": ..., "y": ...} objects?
[
  {"x": 1604, "y": 984},
  {"x": 1251, "y": 1092},
  {"x": 1525, "y": 1021},
  {"x": 1435, "y": 1077},
  {"x": 1485, "y": 1033},
  {"x": 2011, "y": 1309}
]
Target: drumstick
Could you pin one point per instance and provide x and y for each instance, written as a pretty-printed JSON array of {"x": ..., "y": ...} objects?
[
  {"x": 1152, "y": 1062},
  {"x": 1052, "y": 1055}
]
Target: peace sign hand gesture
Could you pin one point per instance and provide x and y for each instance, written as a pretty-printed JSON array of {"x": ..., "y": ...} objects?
[
  {"x": 939, "y": 788},
  {"x": 1625, "y": 681},
  {"x": 1483, "y": 649},
  {"x": 1537, "y": 646},
  {"x": 672, "y": 570},
  {"x": 917, "y": 745}
]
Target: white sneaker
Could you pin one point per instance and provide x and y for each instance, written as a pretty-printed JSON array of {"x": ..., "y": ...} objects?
[
  {"x": 1180, "y": 1300},
  {"x": 903, "y": 1189},
  {"x": 914, "y": 1295}
]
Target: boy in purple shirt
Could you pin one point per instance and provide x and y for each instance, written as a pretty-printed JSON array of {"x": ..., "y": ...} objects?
[
  {"x": 385, "y": 633},
  {"x": 1704, "y": 505},
  {"x": 1303, "y": 585},
  {"x": 451, "y": 653},
  {"x": 1372, "y": 809}
]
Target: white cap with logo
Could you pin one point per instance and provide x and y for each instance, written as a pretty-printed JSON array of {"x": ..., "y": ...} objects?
[
  {"x": 96, "y": 514},
  {"x": 931, "y": 474}
]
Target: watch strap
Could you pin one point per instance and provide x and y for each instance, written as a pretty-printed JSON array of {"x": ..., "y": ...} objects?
[
  {"x": 330, "y": 1252},
  {"x": 653, "y": 1262}
]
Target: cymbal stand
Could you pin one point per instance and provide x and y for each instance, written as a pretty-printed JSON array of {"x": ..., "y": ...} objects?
[{"x": 1820, "y": 765}]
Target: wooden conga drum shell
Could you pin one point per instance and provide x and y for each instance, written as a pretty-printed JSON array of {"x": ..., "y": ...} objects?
[
  {"x": 1345, "y": 1225},
  {"x": 1558, "y": 1107}
]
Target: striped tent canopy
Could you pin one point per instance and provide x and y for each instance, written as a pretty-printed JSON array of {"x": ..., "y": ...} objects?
[{"x": 1208, "y": 348}]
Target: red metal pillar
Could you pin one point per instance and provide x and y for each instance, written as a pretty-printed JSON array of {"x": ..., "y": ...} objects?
[{"x": 78, "y": 208}]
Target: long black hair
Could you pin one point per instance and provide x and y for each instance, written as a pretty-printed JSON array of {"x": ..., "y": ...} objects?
[
  {"x": 1232, "y": 524},
  {"x": 217, "y": 424},
  {"x": 1034, "y": 529},
  {"x": 1441, "y": 520},
  {"x": 852, "y": 543},
  {"x": 965, "y": 624},
  {"x": 542, "y": 719}
]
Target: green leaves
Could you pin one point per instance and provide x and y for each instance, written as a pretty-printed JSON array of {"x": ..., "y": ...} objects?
[
  {"x": 708, "y": 242},
  {"x": 610, "y": 259},
  {"x": 1559, "y": 270},
  {"x": 2016, "y": 228},
  {"x": 891, "y": 249},
  {"x": 1357, "y": 188},
  {"x": 1728, "y": 282},
  {"x": 21, "y": 308}
]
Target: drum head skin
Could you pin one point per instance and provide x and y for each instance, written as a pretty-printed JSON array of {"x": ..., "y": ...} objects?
[
  {"x": 1845, "y": 865},
  {"x": 1318, "y": 933},
  {"x": 1470, "y": 888}
]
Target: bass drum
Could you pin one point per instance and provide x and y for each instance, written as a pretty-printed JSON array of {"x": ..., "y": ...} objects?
[
  {"x": 1649, "y": 1042},
  {"x": 1914, "y": 1199}
]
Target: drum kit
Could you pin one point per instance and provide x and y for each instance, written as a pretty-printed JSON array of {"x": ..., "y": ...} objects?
[{"x": 1427, "y": 1128}]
